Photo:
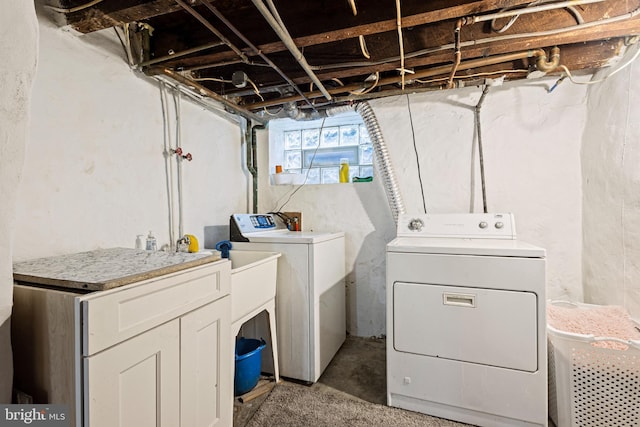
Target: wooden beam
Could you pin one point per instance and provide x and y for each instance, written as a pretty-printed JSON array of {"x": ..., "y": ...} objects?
[
  {"x": 616, "y": 29},
  {"x": 591, "y": 55},
  {"x": 94, "y": 19},
  {"x": 428, "y": 17},
  {"x": 430, "y": 72}
]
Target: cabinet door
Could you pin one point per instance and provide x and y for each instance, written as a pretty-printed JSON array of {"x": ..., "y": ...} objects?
[
  {"x": 207, "y": 366},
  {"x": 135, "y": 383}
]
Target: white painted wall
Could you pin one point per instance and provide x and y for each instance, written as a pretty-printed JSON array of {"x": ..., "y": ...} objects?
[
  {"x": 611, "y": 200},
  {"x": 19, "y": 52},
  {"x": 95, "y": 172},
  {"x": 532, "y": 156}
]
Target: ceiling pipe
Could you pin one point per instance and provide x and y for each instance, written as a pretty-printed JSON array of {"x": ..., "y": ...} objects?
[
  {"x": 542, "y": 64},
  {"x": 211, "y": 94},
  {"x": 282, "y": 32},
  {"x": 200, "y": 99},
  {"x": 525, "y": 10},
  {"x": 213, "y": 29},
  {"x": 180, "y": 54},
  {"x": 457, "y": 55},
  {"x": 486, "y": 40},
  {"x": 237, "y": 32},
  {"x": 206, "y": 66},
  {"x": 431, "y": 72}
]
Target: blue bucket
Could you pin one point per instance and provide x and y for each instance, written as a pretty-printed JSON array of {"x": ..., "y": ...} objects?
[{"x": 248, "y": 363}]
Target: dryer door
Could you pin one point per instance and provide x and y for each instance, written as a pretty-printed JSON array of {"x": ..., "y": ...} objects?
[{"x": 477, "y": 325}]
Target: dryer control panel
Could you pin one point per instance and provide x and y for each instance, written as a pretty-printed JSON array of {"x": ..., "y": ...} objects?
[{"x": 463, "y": 226}]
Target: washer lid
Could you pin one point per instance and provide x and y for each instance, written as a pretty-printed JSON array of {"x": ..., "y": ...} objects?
[
  {"x": 292, "y": 237},
  {"x": 456, "y": 246}
]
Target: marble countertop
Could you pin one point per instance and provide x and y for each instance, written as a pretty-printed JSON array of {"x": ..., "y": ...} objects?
[{"x": 106, "y": 268}]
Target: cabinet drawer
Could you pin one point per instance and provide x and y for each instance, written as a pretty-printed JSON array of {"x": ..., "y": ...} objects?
[{"x": 113, "y": 316}]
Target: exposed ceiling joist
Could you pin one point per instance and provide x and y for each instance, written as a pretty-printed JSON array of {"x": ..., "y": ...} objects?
[{"x": 230, "y": 50}]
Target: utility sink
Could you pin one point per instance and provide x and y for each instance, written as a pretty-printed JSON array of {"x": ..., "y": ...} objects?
[{"x": 253, "y": 281}]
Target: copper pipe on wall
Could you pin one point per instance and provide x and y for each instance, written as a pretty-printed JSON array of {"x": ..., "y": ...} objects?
[
  {"x": 457, "y": 54},
  {"x": 542, "y": 64}
]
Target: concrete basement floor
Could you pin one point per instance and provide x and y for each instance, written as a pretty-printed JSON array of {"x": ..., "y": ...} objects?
[{"x": 359, "y": 369}]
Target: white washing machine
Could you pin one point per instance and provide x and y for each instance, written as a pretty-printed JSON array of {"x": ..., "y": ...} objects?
[
  {"x": 310, "y": 291},
  {"x": 466, "y": 321}
]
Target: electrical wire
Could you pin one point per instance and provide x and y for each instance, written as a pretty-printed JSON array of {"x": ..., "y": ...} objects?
[
  {"x": 592, "y": 82},
  {"x": 466, "y": 76},
  {"x": 363, "y": 47},
  {"x": 126, "y": 45},
  {"x": 369, "y": 89},
  {"x": 255, "y": 88},
  {"x": 514, "y": 18},
  {"x": 306, "y": 176},
  {"x": 211, "y": 79},
  {"x": 415, "y": 148},
  {"x": 354, "y": 9},
  {"x": 124, "y": 48},
  {"x": 73, "y": 9},
  {"x": 477, "y": 42},
  {"x": 286, "y": 219},
  {"x": 273, "y": 114}
]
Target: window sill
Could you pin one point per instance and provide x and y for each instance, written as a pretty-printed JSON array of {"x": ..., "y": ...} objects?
[{"x": 287, "y": 179}]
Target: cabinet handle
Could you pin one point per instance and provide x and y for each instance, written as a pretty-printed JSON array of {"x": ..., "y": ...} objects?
[{"x": 459, "y": 300}]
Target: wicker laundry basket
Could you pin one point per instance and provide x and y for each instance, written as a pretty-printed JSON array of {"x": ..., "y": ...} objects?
[{"x": 591, "y": 385}]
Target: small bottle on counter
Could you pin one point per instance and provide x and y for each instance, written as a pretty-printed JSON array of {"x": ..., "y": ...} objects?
[
  {"x": 151, "y": 242},
  {"x": 344, "y": 170},
  {"x": 139, "y": 241}
]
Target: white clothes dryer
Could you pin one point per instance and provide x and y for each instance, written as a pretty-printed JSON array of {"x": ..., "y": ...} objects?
[
  {"x": 310, "y": 291},
  {"x": 466, "y": 321}
]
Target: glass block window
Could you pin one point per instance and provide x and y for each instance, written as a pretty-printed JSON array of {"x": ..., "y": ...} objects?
[{"x": 315, "y": 150}]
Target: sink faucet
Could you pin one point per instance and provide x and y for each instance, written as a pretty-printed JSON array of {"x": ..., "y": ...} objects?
[{"x": 183, "y": 244}]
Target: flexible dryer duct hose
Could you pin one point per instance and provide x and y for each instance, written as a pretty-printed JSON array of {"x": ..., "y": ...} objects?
[
  {"x": 385, "y": 168},
  {"x": 389, "y": 181}
]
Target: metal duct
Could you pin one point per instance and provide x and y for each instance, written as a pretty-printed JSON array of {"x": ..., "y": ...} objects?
[{"x": 385, "y": 168}]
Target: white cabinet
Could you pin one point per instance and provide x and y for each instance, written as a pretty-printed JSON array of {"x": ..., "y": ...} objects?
[
  {"x": 137, "y": 382},
  {"x": 153, "y": 353},
  {"x": 206, "y": 356}
]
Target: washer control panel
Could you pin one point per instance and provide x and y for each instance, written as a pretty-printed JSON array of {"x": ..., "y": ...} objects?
[
  {"x": 252, "y": 223},
  {"x": 464, "y": 226}
]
